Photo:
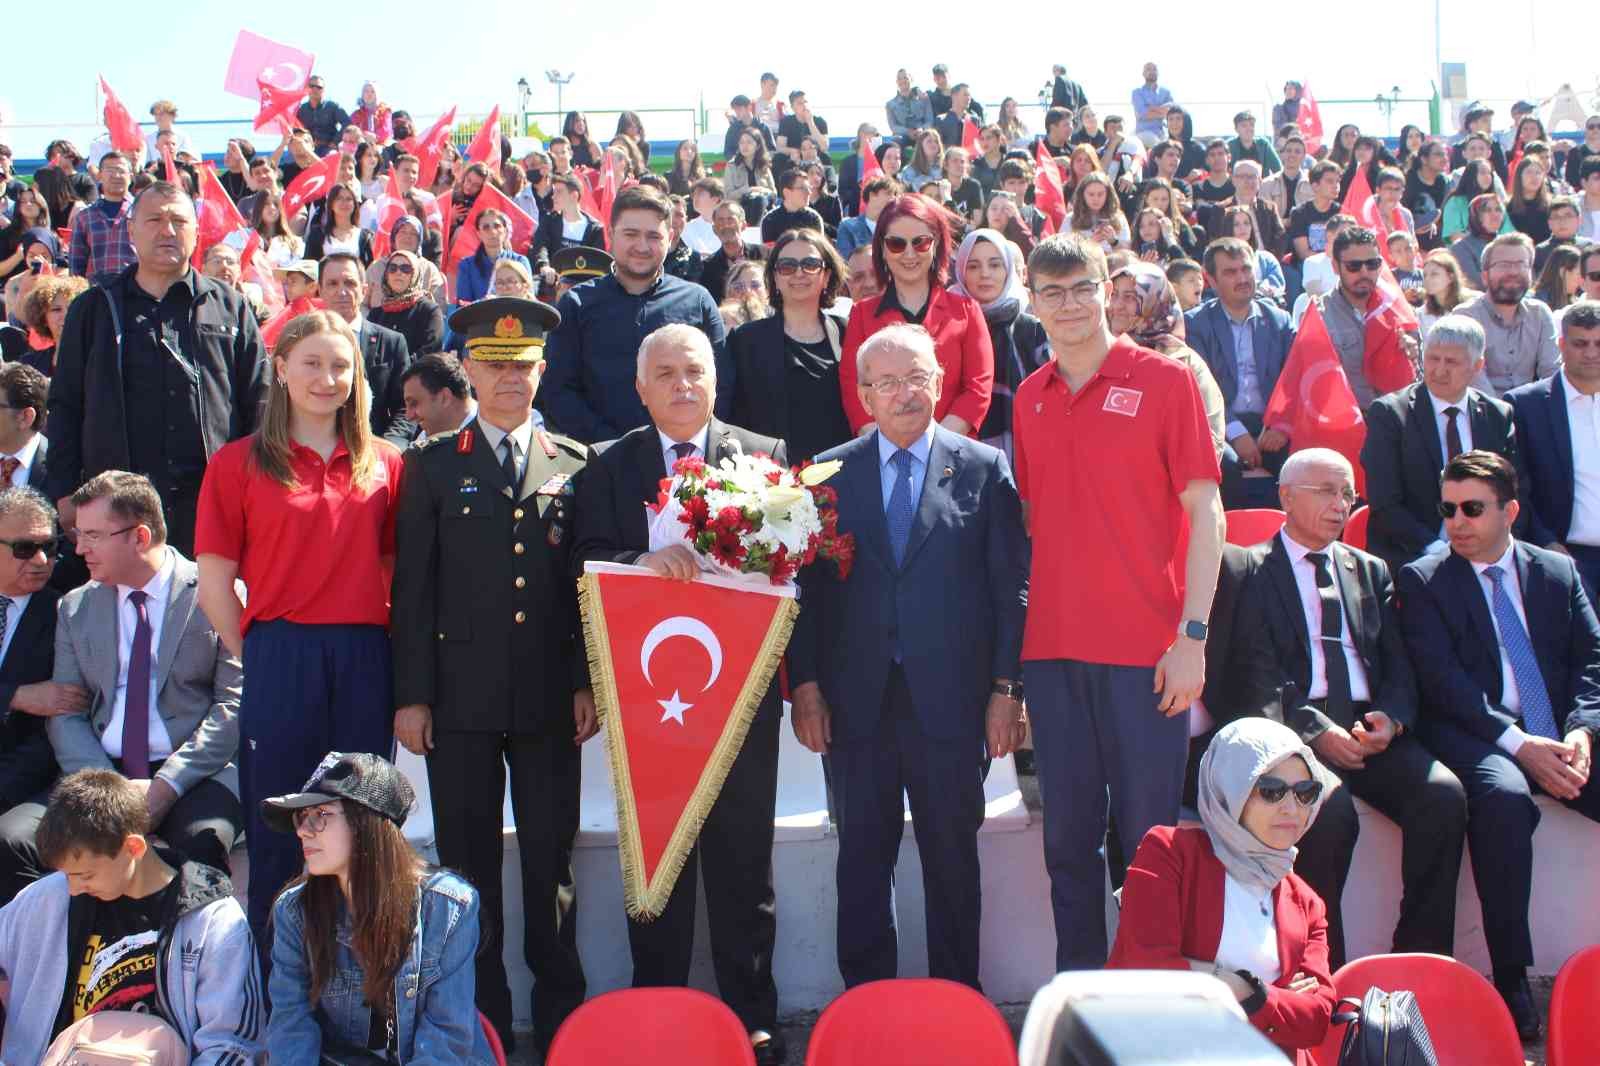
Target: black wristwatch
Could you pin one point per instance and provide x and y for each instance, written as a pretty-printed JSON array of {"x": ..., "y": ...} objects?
[
  {"x": 1258, "y": 992},
  {"x": 1008, "y": 689},
  {"x": 1195, "y": 630}
]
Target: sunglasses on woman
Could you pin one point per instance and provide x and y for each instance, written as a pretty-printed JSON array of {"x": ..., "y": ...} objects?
[
  {"x": 809, "y": 265},
  {"x": 1470, "y": 508},
  {"x": 402, "y": 268},
  {"x": 898, "y": 244},
  {"x": 1273, "y": 789}
]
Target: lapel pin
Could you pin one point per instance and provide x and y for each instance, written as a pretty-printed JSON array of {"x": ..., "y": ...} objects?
[{"x": 949, "y": 471}]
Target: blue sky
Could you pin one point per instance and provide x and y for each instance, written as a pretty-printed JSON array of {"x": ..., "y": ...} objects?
[{"x": 645, "y": 54}]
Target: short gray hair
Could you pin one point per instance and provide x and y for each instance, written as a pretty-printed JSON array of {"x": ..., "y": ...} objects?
[
  {"x": 676, "y": 335},
  {"x": 903, "y": 336},
  {"x": 21, "y": 499},
  {"x": 1305, "y": 458},
  {"x": 1459, "y": 330},
  {"x": 1247, "y": 165}
]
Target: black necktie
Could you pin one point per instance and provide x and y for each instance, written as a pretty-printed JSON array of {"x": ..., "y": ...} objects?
[
  {"x": 509, "y": 464},
  {"x": 1452, "y": 434},
  {"x": 1334, "y": 664},
  {"x": 683, "y": 450}
]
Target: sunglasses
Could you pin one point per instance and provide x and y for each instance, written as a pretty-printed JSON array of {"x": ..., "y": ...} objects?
[
  {"x": 1471, "y": 508},
  {"x": 23, "y": 550},
  {"x": 809, "y": 265},
  {"x": 1374, "y": 264},
  {"x": 1593, "y": 275},
  {"x": 1273, "y": 789},
  {"x": 898, "y": 244},
  {"x": 401, "y": 268}
]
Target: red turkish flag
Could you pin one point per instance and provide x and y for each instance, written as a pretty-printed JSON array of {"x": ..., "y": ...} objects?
[
  {"x": 256, "y": 269},
  {"x": 1308, "y": 118},
  {"x": 278, "y": 105},
  {"x": 969, "y": 134},
  {"x": 870, "y": 167},
  {"x": 1049, "y": 194},
  {"x": 678, "y": 672},
  {"x": 274, "y": 326},
  {"x": 1313, "y": 401},
  {"x": 125, "y": 134},
  {"x": 215, "y": 214},
  {"x": 1356, "y": 197},
  {"x": 391, "y": 209},
  {"x": 430, "y": 146},
  {"x": 310, "y": 185},
  {"x": 607, "y": 190},
  {"x": 485, "y": 146},
  {"x": 1385, "y": 360},
  {"x": 255, "y": 57},
  {"x": 589, "y": 179},
  {"x": 466, "y": 239}
]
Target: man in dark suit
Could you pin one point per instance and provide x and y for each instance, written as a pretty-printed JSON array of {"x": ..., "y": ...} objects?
[
  {"x": 1507, "y": 653},
  {"x": 342, "y": 284},
  {"x": 906, "y": 671},
  {"x": 1556, "y": 429},
  {"x": 676, "y": 379},
  {"x": 28, "y": 698},
  {"x": 1412, "y": 433},
  {"x": 1219, "y": 700},
  {"x": 1245, "y": 342},
  {"x": 25, "y": 452},
  {"x": 1318, "y": 647},
  {"x": 489, "y": 668}
]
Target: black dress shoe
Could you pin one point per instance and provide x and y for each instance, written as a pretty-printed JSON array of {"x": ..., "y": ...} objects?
[{"x": 1519, "y": 1000}]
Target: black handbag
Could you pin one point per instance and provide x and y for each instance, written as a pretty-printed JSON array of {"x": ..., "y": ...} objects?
[{"x": 1384, "y": 1029}]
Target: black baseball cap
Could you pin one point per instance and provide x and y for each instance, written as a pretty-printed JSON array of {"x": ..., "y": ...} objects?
[{"x": 370, "y": 780}]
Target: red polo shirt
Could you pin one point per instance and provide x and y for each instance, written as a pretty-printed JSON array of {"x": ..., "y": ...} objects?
[
  {"x": 311, "y": 554},
  {"x": 1101, "y": 470}
]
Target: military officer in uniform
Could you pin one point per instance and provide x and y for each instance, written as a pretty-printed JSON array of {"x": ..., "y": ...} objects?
[{"x": 489, "y": 666}]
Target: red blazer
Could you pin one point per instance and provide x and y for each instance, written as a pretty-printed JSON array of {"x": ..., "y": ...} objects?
[
  {"x": 961, "y": 340},
  {"x": 1172, "y": 909}
]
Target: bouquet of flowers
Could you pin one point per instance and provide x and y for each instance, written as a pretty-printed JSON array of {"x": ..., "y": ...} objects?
[{"x": 751, "y": 516}]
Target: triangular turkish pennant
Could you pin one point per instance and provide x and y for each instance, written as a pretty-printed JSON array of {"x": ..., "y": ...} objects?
[{"x": 678, "y": 670}]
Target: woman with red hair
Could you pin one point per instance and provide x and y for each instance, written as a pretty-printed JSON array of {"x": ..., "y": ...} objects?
[{"x": 911, "y": 258}]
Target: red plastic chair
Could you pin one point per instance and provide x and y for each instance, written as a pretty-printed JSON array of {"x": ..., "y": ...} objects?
[
  {"x": 911, "y": 1022},
  {"x": 497, "y": 1048},
  {"x": 1574, "y": 1023},
  {"x": 1467, "y": 1020},
  {"x": 664, "y": 1026},
  {"x": 1355, "y": 530},
  {"x": 1252, "y": 525}
]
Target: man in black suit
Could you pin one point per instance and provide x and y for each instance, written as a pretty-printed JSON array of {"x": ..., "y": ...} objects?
[
  {"x": 1507, "y": 652},
  {"x": 342, "y": 284},
  {"x": 1412, "y": 433},
  {"x": 28, "y": 698},
  {"x": 676, "y": 377},
  {"x": 1219, "y": 699},
  {"x": 1318, "y": 647},
  {"x": 1556, "y": 426},
  {"x": 25, "y": 453}
]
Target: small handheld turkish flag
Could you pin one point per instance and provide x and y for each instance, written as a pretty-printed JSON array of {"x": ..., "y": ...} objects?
[
  {"x": 969, "y": 135},
  {"x": 391, "y": 208},
  {"x": 278, "y": 102},
  {"x": 466, "y": 238},
  {"x": 125, "y": 135},
  {"x": 678, "y": 673},
  {"x": 1313, "y": 402},
  {"x": 310, "y": 185},
  {"x": 1308, "y": 117},
  {"x": 430, "y": 146},
  {"x": 1049, "y": 194},
  {"x": 217, "y": 217},
  {"x": 870, "y": 167},
  {"x": 255, "y": 57},
  {"x": 485, "y": 146}
]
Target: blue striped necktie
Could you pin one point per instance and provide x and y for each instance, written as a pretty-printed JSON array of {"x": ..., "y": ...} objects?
[
  {"x": 1537, "y": 717},
  {"x": 900, "y": 508}
]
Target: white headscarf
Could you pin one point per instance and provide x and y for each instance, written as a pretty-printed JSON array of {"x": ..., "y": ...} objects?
[
  {"x": 1241, "y": 753},
  {"x": 1013, "y": 296}
]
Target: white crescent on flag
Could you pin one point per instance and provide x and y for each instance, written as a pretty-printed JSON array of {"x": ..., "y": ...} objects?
[
  {"x": 682, "y": 626},
  {"x": 297, "y": 79},
  {"x": 1350, "y": 416}
]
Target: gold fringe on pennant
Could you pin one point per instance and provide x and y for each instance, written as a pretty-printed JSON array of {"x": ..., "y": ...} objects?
[{"x": 645, "y": 900}]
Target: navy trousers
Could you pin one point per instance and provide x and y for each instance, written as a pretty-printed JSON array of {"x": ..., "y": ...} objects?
[
  {"x": 308, "y": 690},
  {"x": 944, "y": 780},
  {"x": 1100, "y": 746}
]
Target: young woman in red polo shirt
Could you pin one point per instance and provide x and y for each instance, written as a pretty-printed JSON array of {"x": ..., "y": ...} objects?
[
  {"x": 911, "y": 258},
  {"x": 303, "y": 512}
]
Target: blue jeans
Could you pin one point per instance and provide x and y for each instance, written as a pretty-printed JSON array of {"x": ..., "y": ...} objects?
[{"x": 1099, "y": 745}]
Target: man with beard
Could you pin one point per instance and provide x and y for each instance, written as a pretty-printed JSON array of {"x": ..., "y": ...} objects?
[
  {"x": 1347, "y": 309},
  {"x": 1521, "y": 331}
]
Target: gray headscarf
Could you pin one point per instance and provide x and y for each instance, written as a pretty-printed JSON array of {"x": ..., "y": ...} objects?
[{"x": 1242, "y": 752}]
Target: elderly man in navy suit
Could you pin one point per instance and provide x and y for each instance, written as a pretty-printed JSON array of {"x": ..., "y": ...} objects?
[
  {"x": 1507, "y": 655},
  {"x": 908, "y": 670}
]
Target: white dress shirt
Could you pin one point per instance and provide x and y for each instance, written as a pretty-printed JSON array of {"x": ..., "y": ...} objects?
[
  {"x": 13, "y": 616},
  {"x": 1249, "y": 931},
  {"x": 1510, "y": 696},
  {"x": 1583, "y": 421},
  {"x": 701, "y": 441},
  {"x": 1441, "y": 422},
  {"x": 1305, "y": 578},
  {"x": 24, "y": 456},
  {"x": 522, "y": 437},
  {"x": 157, "y": 592}
]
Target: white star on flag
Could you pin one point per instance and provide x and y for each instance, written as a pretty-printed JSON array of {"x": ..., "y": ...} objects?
[{"x": 673, "y": 708}]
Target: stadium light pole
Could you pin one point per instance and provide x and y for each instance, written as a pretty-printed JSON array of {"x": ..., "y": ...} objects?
[{"x": 559, "y": 80}]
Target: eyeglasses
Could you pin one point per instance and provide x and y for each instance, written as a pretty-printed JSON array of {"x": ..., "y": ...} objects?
[
  {"x": 1273, "y": 789},
  {"x": 23, "y": 550},
  {"x": 401, "y": 268},
  {"x": 1470, "y": 508},
  {"x": 887, "y": 387},
  {"x": 809, "y": 265},
  {"x": 744, "y": 286},
  {"x": 313, "y": 819},
  {"x": 1374, "y": 264},
  {"x": 898, "y": 244},
  {"x": 1329, "y": 492},
  {"x": 88, "y": 538},
  {"x": 1593, "y": 275},
  {"x": 1055, "y": 297}
]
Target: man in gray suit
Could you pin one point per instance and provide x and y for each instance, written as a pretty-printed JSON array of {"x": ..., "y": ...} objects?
[{"x": 163, "y": 692}]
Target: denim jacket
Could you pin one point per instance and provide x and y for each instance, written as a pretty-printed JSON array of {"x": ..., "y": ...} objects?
[{"x": 436, "y": 1021}]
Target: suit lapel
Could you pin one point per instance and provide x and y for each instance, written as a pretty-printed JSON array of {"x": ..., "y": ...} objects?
[
  {"x": 1471, "y": 586},
  {"x": 1537, "y": 591},
  {"x": 28, "y": 625},
  {"x": 101, "y": 621},
  {"x": 944, "y": 467},
  {"x": 1222, "y": 339},
  {"x": 1485, "y": 435},
  {"x": 1344, "y": 575},
  {"x": 538, "y": 468},
  {"x": 863, "y": 480},
  {"x": 1561, "y": 430},
  {"x": 485, "y": 461},
  {"x": 1281, "y": 571},
  {"x": 175, "y": 622},
  {"x": 1423, "y": 421},
  {"x": 773, "y": 372}
]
